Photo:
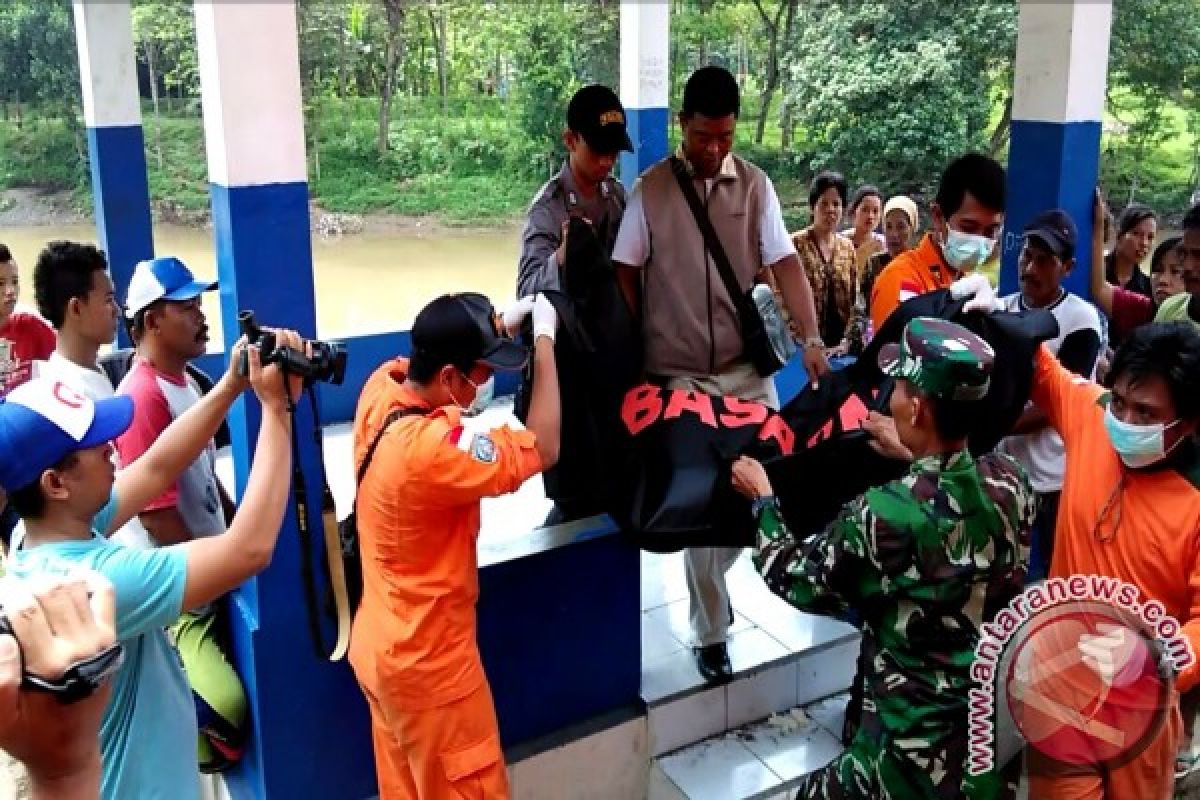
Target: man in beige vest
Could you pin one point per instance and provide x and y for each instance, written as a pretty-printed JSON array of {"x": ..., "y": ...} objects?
[{"x": 692, "y": 334}]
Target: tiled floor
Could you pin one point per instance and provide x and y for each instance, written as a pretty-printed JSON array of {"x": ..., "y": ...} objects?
[
  {"x": 761, "y": 760},
  {"x": 765, "y": 628}
]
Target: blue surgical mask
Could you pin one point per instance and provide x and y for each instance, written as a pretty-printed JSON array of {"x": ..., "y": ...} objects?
[
  {"x": 484, "y": 394},
  {"x": 965, "y": 251},
  {"x": 1137, "y": 445}
]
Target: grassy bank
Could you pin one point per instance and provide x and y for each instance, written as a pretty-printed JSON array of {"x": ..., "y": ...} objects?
[{"x": 469, "y": 163}]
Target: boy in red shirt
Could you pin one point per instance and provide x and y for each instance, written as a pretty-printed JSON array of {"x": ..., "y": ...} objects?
[{"x": 24, "y": 338}]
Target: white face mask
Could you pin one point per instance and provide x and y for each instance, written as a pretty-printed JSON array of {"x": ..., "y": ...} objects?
[
  {"x": 965, "y": 251},
  {"x": 1137, "y": 445},
  {"x": 484, "y": 394}
]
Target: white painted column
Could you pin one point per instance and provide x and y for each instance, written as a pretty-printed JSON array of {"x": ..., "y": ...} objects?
[
  {"x": 116, "y": 147},
  {"x": 301, "y": 704},
  {"x": 1058, "y": 105},
  {"x": 645, "y": 82}
]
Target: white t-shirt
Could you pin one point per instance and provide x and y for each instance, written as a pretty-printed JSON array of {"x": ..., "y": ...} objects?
[
  {"x": 633, "y": 241},
  {"x": 91, "y": 383},
  {"x": 1077, "y": 344}
]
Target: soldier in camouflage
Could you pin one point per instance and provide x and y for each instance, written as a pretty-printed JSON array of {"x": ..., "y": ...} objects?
[{"x": 924, "y": 561}]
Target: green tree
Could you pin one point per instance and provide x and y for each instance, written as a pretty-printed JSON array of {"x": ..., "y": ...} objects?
[
  {"x": 892, "y": 91},
  {"x": 164, "y": 33},
  {"x": 546, "y": 76}
]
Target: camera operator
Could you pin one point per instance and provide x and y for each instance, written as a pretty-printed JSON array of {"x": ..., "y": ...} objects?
[
  {"x": 163, "y": 305},
  {"x": 59, "y": 474},
  {"x": 57, "y": 622},
  {"x": 413, "y": 645}
]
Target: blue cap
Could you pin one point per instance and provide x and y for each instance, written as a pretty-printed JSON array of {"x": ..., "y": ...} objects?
[
  {"x": 165, "y": 278},
  {"x": 43, "y": 421}
]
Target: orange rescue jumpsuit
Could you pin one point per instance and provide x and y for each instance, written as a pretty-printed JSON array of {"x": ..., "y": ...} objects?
[
  {"x": 1155, "y": 546},
  {"x": 914, "y": 272},
  {"x": 413, "y": 646}
]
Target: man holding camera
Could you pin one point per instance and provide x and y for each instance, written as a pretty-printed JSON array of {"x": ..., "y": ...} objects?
[
  {"x": 413, "y": 644},
  {"x": 59, "y": 474},
  {"x": 163, "y": 304}
]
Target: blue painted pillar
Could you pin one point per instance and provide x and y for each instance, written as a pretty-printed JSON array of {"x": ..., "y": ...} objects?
[
  {"x": 1058, "y": 105},
  {"x": 310, "y": 726},
  {"x": 645, "y": 82},
  {"x": 116, "y": 149}
]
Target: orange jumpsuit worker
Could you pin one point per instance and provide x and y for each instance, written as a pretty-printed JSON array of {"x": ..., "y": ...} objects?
[
  {"x": 413, "y": 644},
  {"x": 1130, "y": 509}
]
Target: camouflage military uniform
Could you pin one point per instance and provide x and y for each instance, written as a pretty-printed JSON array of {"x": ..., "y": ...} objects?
[{"x": 924, "y": 561}]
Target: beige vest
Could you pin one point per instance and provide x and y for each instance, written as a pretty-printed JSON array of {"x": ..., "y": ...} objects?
[{"x": 690, "y": 323}]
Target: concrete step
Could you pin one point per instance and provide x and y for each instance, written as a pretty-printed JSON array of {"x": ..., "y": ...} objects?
[
  {"x": 781, "y": 658},
  {"x": 764, "y": 760}
]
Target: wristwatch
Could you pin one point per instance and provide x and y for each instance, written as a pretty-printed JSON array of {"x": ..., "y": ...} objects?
[
  {"x": 82, "y": 678},
  {"x": 761, "y": 503},
  {"x": 814, "y": 342}
]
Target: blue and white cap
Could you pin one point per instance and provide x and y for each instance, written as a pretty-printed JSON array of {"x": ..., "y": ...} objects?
[
  {"x": 43, "y": 421},
  {"x": 164, "y": 278}
]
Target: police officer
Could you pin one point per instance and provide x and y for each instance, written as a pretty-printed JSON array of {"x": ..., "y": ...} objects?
[
  {"x": 924, "y": 561},
  {"x": 584, "y": 188}
]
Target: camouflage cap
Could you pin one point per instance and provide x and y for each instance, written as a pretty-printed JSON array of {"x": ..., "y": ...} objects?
[{"x": 940, "y": 358}]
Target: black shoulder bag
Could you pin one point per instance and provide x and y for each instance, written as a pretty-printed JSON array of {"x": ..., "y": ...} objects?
[{"x": 767, "y": 354}]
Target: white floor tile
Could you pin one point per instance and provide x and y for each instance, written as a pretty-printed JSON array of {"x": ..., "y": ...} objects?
[
  {"x": 789, "y": 748},
  {"x": 662, "y": 787},
  {"x": 686, "y": 720},
  {"x": 758, "y": 696},
  {"x": 657, "y": 640},
  {"x": 721, "y": 769},
  {"x": 753, "y": 648},
  {"x": 830, "y": 713},
  {"x": 798, "y": 631},
  {"x": 826, "y": 672},
  {"x": 663, "y": 579},
  {"x": 675, "y": 616},
  {"x": 670, "y": 675}
]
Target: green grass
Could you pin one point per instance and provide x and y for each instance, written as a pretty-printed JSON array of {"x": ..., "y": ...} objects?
[{"x": 469, "y": 163}]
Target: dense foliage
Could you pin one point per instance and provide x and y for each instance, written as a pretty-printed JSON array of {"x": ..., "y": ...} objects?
[{"x": 456, "y": 105}]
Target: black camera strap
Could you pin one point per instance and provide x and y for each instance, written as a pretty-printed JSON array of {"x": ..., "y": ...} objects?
[{"x": 300, "y": 498}]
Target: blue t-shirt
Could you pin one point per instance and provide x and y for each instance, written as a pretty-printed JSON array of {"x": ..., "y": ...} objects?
[{"x": 148, "y": 734}]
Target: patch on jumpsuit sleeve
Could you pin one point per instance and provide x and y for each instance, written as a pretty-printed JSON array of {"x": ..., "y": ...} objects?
[{"x": 479, "y": 446}]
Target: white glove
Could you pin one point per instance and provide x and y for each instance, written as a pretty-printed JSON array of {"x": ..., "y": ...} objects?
[
  {"x": 545, "y": 318},
  {"x": 969, "y": 286},
  {"x": 979, "y": 289},
  {"x": 516, "y": 313}
]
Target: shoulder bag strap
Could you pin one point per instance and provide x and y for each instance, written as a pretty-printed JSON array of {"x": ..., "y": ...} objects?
[{"x": 711, "y": 241}]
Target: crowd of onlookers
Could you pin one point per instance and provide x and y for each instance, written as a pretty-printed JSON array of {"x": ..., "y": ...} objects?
[{"x": 1101, "y": 479}]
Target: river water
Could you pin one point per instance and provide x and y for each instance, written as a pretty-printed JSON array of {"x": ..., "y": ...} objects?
[{"x": 367, "y": 282}]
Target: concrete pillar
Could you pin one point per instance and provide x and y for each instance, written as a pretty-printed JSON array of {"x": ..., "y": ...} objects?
[
  {"x": 645, "y": 82},
  {"x": 1058, "y": 105},
  {"x": 310, "y": 727},
  {"x": 116, "y": 148}
]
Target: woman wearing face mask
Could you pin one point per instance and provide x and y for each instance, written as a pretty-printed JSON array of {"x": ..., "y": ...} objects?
[
  {"x": 865, "y": 209},
  {"x": 966, "y": 218},
  {"x": 828, "y": 260},
  {"x": 413, "y": 646},
  {"x": 1137, "y": 226}
]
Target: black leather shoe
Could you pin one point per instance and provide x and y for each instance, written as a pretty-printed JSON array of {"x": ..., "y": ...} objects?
[{"x": 713, "y": 663}]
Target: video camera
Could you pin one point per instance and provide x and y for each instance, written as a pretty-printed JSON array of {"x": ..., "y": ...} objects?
[{"x": 328, "y": 361}]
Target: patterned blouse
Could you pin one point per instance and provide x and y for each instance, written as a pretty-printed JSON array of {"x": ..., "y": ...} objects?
[{"x": 834, "y": 286}]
